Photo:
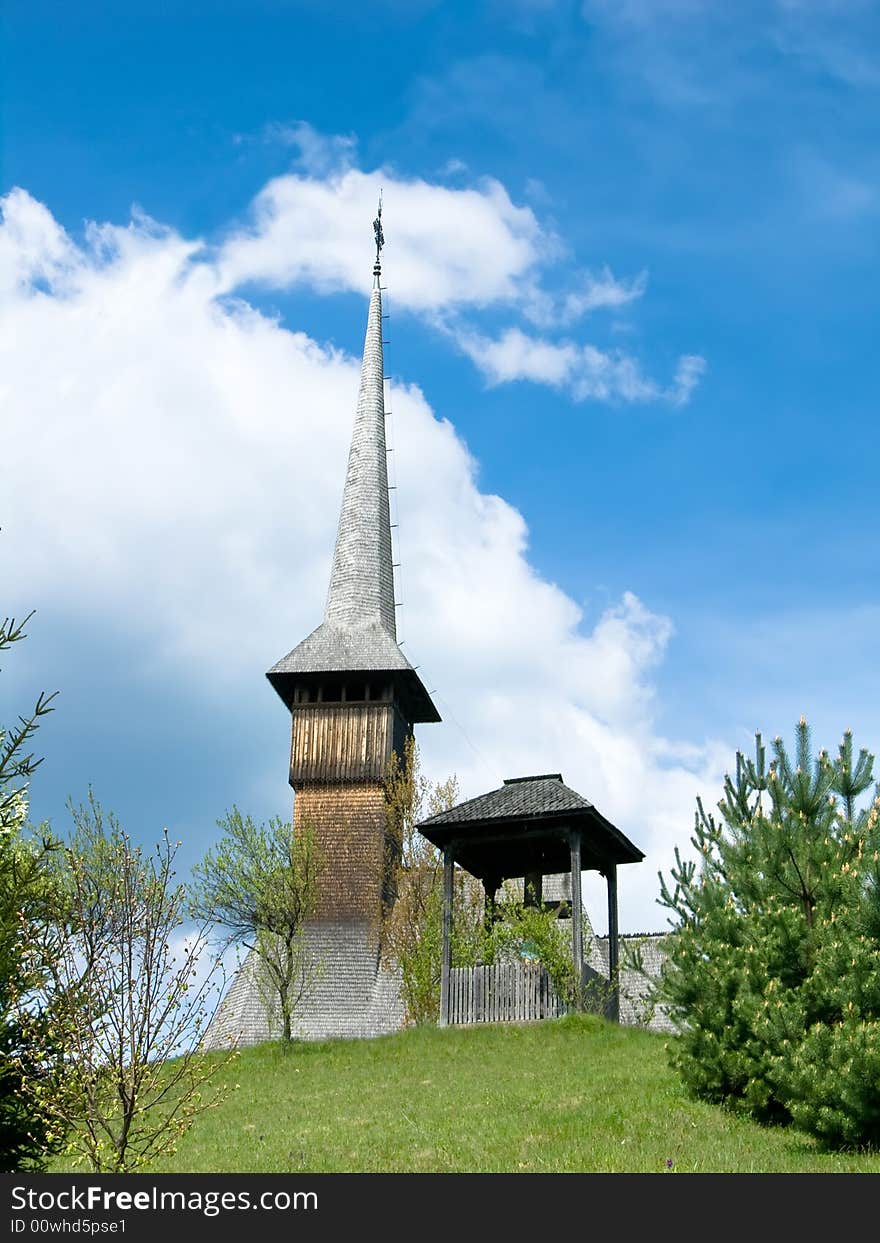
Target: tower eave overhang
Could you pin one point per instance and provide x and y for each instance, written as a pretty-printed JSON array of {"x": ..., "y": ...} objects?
[{"x": 363, "y": 651}]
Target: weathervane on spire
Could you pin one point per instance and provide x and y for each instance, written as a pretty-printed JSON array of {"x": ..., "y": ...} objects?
[{"x": 377, "y": 229}]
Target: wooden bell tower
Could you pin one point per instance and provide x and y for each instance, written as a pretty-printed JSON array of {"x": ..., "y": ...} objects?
[{"x": 352, "y": 694}]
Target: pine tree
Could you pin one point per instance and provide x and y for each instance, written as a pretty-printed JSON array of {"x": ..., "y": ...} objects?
[
  {"x": 773, "y": 975},
  {"x": 25, "y": 1132}
]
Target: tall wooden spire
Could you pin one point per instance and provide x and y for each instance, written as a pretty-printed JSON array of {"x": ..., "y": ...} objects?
[
  {"x": 362, "y": 580},
  {"x": 359, "y": 632}
]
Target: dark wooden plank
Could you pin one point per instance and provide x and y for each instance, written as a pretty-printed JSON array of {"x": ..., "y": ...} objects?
[
  {"x": 613, "y": 944},
  {"x": 446, "y": 953},
  {"x": 577, "y": 908}
]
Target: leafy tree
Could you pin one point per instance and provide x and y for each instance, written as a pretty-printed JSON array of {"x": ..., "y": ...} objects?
[
  {"x": 412, "y": 937},
  {"x": 26, "y": 1134},
  {"x": 521, "y": 930},
  {"x": 260, "y": 885},
  {"x": 773, "y": 975},
  {"x": 118, "y": 979}
]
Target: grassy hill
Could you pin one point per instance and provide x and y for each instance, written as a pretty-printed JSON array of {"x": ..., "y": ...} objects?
[{"x": 574, "y": 1094}]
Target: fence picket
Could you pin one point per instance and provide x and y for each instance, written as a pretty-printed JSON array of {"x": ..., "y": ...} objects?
[{"x": 502, "y": 993}]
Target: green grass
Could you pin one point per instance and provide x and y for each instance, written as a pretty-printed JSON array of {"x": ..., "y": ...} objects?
[{"x": 574, "y": 1094}]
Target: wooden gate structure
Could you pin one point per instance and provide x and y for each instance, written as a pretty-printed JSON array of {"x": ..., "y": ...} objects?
[{"x": 531, "y": 827}]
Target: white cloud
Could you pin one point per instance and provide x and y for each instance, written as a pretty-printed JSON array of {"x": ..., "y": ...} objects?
[
  {"x": 453, "y": 167},
  {"x": 687, "y": 377},
  {"x": 516, "y": 356},
  {"x": 589, "y": 292},
  {"x": 584, "y": 371},
  {"x": 450, "y": 247},
  {"x": 33, "y": 248},
  {"x": 696, "y": 52},
  {"x": 602, "y": 291},
  {"x": 319, "y": 154},
  {"x": 455, "y": 253},
  {"x": 172, "y": 469}
]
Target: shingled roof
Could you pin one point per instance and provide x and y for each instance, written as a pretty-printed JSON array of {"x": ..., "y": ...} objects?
[
  {"x": 526, "y": 823},
  {"x": 359, "y": 632},
  {"x": 519, "y": 798}
]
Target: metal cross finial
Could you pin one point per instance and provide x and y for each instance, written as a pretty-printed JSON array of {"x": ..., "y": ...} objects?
[{"x": 377, "y": 229}]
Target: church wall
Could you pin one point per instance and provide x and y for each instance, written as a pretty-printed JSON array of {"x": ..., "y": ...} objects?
[{"x": 349, "y": 823}]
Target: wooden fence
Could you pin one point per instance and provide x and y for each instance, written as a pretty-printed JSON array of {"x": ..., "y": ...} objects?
[{"x": 502, "y": 993}]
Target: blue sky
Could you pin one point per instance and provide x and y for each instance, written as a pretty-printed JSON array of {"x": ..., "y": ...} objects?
[{"x": 632, "y": 265}]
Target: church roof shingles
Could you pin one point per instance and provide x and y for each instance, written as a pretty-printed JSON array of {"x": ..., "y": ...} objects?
[{"x": 519, "y": 797}]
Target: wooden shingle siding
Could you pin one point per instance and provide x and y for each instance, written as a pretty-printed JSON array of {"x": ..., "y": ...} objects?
[{"x": 349, "y": 824}]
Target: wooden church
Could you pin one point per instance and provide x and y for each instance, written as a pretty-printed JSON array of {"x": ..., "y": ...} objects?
[{"x": 354, "y": 698}]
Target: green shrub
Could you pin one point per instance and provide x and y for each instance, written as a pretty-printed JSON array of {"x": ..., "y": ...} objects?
[{"x": 534, "y": 932}]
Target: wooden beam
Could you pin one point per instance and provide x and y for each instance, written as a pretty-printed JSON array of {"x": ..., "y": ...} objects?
[
  {"x": 510, "y": 834},
  {"x": 532, "y": 888},
  {"x": 486, "y": 854},
  {"x": 613, "y": 945},
  {"x": 577, "y": 910},
  {"x": 446, "y": 960},
  {"x": 490, "y": 887}
]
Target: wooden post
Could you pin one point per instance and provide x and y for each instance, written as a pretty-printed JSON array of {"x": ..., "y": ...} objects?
[
  {"x": 577, "y": 912},
  {"x": 613, "y": 944},
  {"x": 446, "y": 960},
  {"x": 490, "y": 888},
  {"x": 533, "y": 889}
]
